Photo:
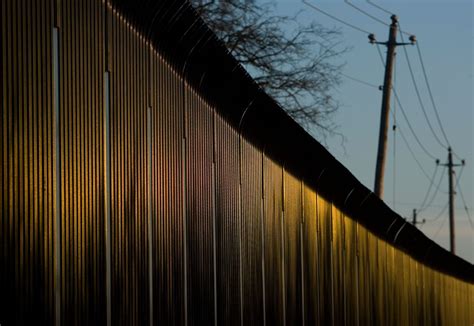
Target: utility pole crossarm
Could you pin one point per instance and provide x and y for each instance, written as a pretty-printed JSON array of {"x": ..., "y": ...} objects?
[{"x": 414, "y": 221}]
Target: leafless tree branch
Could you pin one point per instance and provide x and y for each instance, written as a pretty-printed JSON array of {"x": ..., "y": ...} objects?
[{"x": 294, "y": 63}]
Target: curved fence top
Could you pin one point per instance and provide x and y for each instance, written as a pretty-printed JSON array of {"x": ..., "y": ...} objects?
[{"x": 177, "y": 32}]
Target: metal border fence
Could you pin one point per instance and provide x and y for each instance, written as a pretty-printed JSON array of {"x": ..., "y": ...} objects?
[{"x": 146, "y": 179}]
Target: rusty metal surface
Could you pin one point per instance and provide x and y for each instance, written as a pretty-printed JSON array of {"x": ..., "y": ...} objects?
[{"x": 146, "y": 180}]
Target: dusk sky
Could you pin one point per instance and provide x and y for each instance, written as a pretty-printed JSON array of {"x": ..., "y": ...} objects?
[{"x": 444, "y": 30}]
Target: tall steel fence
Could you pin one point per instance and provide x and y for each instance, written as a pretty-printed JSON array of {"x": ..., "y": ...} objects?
[{"x": 146, "y": 179}]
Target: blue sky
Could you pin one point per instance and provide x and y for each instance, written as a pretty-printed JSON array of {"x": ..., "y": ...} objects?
[{"x": 445, "y": 33}]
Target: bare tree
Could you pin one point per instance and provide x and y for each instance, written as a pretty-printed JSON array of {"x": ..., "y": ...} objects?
[{"x": 295, "y": 63}]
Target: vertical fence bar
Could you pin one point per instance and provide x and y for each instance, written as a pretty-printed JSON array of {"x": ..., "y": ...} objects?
[
  {"x": 57, "y": 160},
  {"x": 302, "y": 245},
  {"x": 150, "y": 211},
  {"x": 107, "y": 196},
  {"x": 262, "y": 225},
  {"x": 240, "y": 215},
  {"x": 107, "y": 181},
  {"x": 185, "y": 245},
  {"x": 214, "y": 235},
  {"x": 357, "y": 315},
  {"x": 184, "y": 158},
  {"x": 282, "y": 230}
]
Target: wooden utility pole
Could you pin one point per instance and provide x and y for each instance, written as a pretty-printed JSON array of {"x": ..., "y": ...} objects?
[
  {"x": 452, "y": 192},
  {"x": 384, "y": 117},
  {"x": 391, "y": 44},
  {"x": 452, "y": 240}
]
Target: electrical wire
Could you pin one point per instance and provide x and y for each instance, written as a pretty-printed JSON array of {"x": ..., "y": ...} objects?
[
  {"x": 420, "y": 101},
  {"x": 456, "y": 155},
  {"x": 336, "y": 19},
  {"x": 360, "y": 81},
  {"x": 366, "y": 13},
  {"x": 430, "y": 93},
  {"x": 458, "y": 186},
  {"x": 372, "y": 16},
  {"x": 442, "y": 224},
  {"x": 414, "y": 156},
  {"x": 459, "y": 176},
  {"x": 413, "y": 204},
  {"x": 404, "y": 113},
  {"x": 444, "y": 209},
  {"x": 440, "y": 213},
  {"x": 422, "y": 206},
  {"x": 380, "y": 8},
  {"x": 438, "y": 216},
  {"x": 420, "y": 166},
  {"x": 410, "y": 127}
]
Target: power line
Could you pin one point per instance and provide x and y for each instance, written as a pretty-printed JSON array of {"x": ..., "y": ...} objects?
[
  {"x": 335, "y": 18},
  {"x": 444, "y": 209},
  {"x": 451, "y": 172},
  {"x": 440, "y": 213},
  {"x": 387, "y": 86},
  {"x": 360, "y": 81},
  {"x": 414, "y": 156},
  {"x": 430, "y": 93},
  {"x": 459, "y": 175},
  {"x": 434, "y": 194},
  {"x": 420, "y": 166},
  {"x": 366, "y": 13},
  {"x": 418, "y": 93},
  {"x": 456, "y": 155},
  {"x": 422, "y": 206},
  {"x": 418, "y": 204},
  {"x": 372, "y": 16},
  {"x": 442, "y": 224},
  {"x": 411, "y": 128},
  {"x": 404, "y": 113},
  {"x": 380, "y": 8},
  {"x": 458, "y": 186},
  {"x": 430, "y": 179},
  {"x": 439, "y": 184},
  {"x": 446, "y": 206}
]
